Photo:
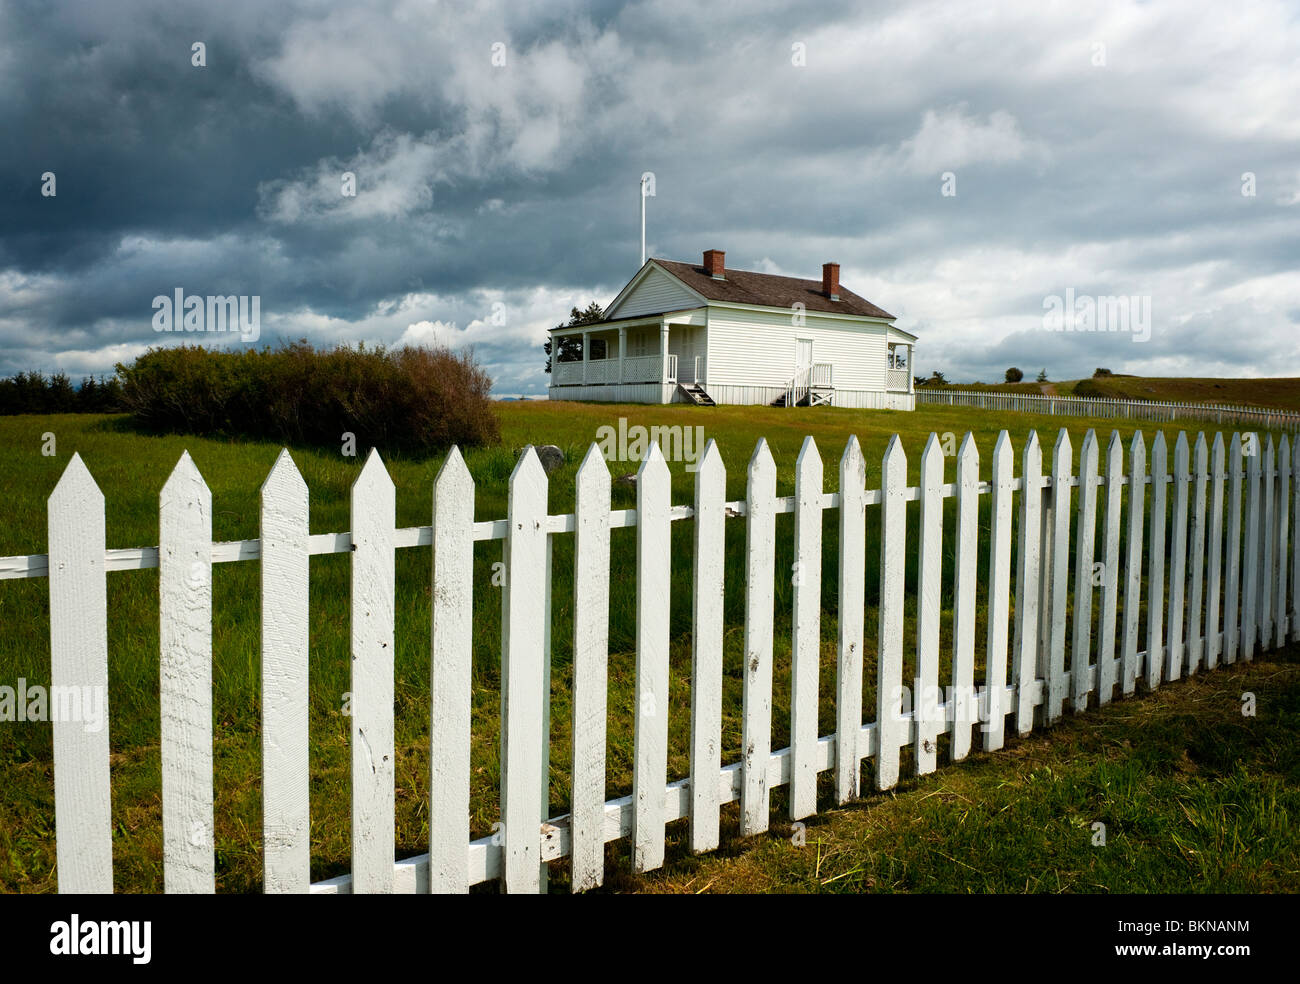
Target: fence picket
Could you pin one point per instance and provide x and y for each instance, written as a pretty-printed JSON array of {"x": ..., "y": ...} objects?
[
  {"x": 1024, "y": 645},
  {"x": 1062, "y": 454},
  {"x": 653, "y": 596},
  {"x": 706, "y": 649},
  {"x": 83, "y": 825},
  {"x": 1178, "y": 560},
  {"x": 1267, "y": 535},
  {"x": 1213, "y": 647},
  {"x": 965, "y": 709},
  {"x": 891, "y": 730},
  {"x": 999, "y": 593},
  {"x": 852, "y": 621},
  {"x": 1110, "y": 570},
  {"x": 523, "y": 675},
  {"x": 1084, "y": 540},
  {"x": 1156, "y": 561},
  {"x": 1283, "y": 524},
  {"x": 1232, "y": 546},
  {"x": 286, "y": 765},
  {"x": 760, "y": 572},
  {"x": 925, "y": 698},
  {"x": 1295, "y": 545},
  {"x": 1133, "y": 588},
  {"x": 1250, "y": 553},
  {"x": 805, "y": 651},
  {"x": 373, "y": 769},
  {"x": 451, "y": 666},
  {"x": 185, "y": 679},
  {"x": 1196, "y": 558}
]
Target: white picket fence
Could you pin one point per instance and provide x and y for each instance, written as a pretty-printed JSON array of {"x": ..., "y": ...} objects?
[
  {"x": 1105, "y": 408},
  {"x": 1228, "y": 567}
]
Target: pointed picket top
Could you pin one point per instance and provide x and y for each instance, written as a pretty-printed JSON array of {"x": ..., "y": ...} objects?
[
  {"x": 76, "y": 484},
  {"x": 652, "y": 464},
  {"x": 1268, "y": 444},
  {"x": 1002, "y": 450},
  {"x": 593, "y": 473},
  {"x": 1158, "y": 452},
  {"x": 1062, "y": 450},
  {"x": 454, "y": 474},
  {"x": 1031, "y": 441},
  {"x": 1284, "y": 451},
  {"x": 852, "y": 462},
  {"x": 373, "y": 474},
  {"x": 1217, "y": 448},
  {"x": 528, "y": 465},
  {"x": 932, "y": 456},
  {"x": 1138, "y": 445},
  {"x": 284, "y": 477},
  {"x": 968, "y": 452},
  {"x": 761, "y": 461},
  {"x": 807, "y": 455},
  {"x": 1089, "y": 446},
  {"x": 895, "y": 461},
  {"x": 710, "y": 465},
  {"x": 1181, "y": 452},
  {"x": 185, "y": 478},
  {"x": 1200, "y": 452}
]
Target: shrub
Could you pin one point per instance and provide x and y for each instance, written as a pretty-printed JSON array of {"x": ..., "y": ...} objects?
[
  {"x": 414, "y": 400},
  {"x": 1014, "y": 375},
  {"x": 32, "y": 392},
  {"x": 1101, "y": 372}
]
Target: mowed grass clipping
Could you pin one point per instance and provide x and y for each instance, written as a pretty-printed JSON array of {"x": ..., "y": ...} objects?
[{"x": 131, "y": 468}]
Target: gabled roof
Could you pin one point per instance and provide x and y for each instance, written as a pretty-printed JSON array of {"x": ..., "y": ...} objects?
[{"x": 769, "y": 290}]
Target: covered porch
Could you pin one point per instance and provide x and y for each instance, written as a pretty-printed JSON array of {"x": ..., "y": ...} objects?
[
  {"x": 898, "y": 361},
  {"x": 663, "y": 350}
]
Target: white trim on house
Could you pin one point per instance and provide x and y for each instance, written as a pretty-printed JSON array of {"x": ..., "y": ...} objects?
[{"x": 640, "y": 276}]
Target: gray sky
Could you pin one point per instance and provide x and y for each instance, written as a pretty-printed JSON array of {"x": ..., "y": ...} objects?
[{"x": 1095, "y": 148}]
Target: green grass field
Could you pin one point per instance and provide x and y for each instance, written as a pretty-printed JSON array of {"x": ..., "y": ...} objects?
[
  {"x": 1280, "y": 393},
  {"x": 131, "y": 468}
]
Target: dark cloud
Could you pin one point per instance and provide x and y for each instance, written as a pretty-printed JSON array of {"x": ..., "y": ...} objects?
[{"x": 491, "y": 198}]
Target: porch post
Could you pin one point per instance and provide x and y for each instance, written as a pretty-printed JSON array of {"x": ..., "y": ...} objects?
[
  {"x": 622, "y": 350},
  {"x": 911, "y": 378},
  {"x": 663, "y": 353},
  {"x": 586, "y": 353}
]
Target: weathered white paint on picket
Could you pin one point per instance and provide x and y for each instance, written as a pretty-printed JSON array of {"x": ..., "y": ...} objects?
[
  {"x": 1178, "y": 560},
  {"x": 1267, "y": 536},
  {"x": 805, "y": 651},
  {"x": 1295, "y": 535},
  {"x": 653, "y": 595},
  {"x": 760, "y": 572},
  {"x": 1156, "y": 562},
  {"x": 891, "y": 730},
  {"x": 1232, "y": 562},
  {"x": 1110, "y": 570},
  {"x": 286, "y": 765},
  {"x": 1250, "y": 553},
  {"x": 1196, "y": 555},
  {"x": 79, "y": 658},
  {"x": 523, "y": 675},
  {"x": 995, "y": 667},
  {"x": 1214, "y": 566},
  {"x": 1295, "y": 545},
  {"x": 925, "y": 693},
  {"x": 1059, "y": 574},
  {"x": 1084, "y": 540},
  {"x": 451, "y": 671},
  {"x": 591, "y": 664},
  {"x": 1283, "y": 523},
  {"x": 185, "y": 679},
  {"x": 852, "y": 621},
  {"x": 706, "y": 648},
  {"x": 1133, "y": 587},
  {"x": 1024, "y": 645},
  {"x": 966, "y": 574},
  {"x": 373, "y": 766}
]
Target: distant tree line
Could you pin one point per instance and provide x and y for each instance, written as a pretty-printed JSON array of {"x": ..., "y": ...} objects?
[{"x": 34, "y": 392}]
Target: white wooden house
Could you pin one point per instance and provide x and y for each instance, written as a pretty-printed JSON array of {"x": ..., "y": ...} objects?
[{"x": 679, "y": 332}]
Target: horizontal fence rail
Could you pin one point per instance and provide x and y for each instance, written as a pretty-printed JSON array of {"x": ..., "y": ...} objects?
[
  {"x": 1221, "y": 524},
  {"x": 1157, "y": 411}
]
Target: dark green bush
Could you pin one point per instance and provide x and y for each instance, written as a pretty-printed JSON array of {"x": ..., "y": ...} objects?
[{"x": 410, "y": 399}]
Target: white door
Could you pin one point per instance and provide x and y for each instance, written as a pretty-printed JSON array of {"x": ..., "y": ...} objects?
[{"x": 802, "y": 354}]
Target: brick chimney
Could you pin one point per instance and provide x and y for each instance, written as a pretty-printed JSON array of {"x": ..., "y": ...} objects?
[
  {"x": 831, "y": 280},
  {"x": 714, "y": 263}
]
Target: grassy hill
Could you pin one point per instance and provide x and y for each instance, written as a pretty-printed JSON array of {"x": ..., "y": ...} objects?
[{"x": 1282, "y": 393}]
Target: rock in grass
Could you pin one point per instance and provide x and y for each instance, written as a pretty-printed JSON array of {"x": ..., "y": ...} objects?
[
  {"x": 551, "y": 457},
  {"x": 629, "y": 479}
]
